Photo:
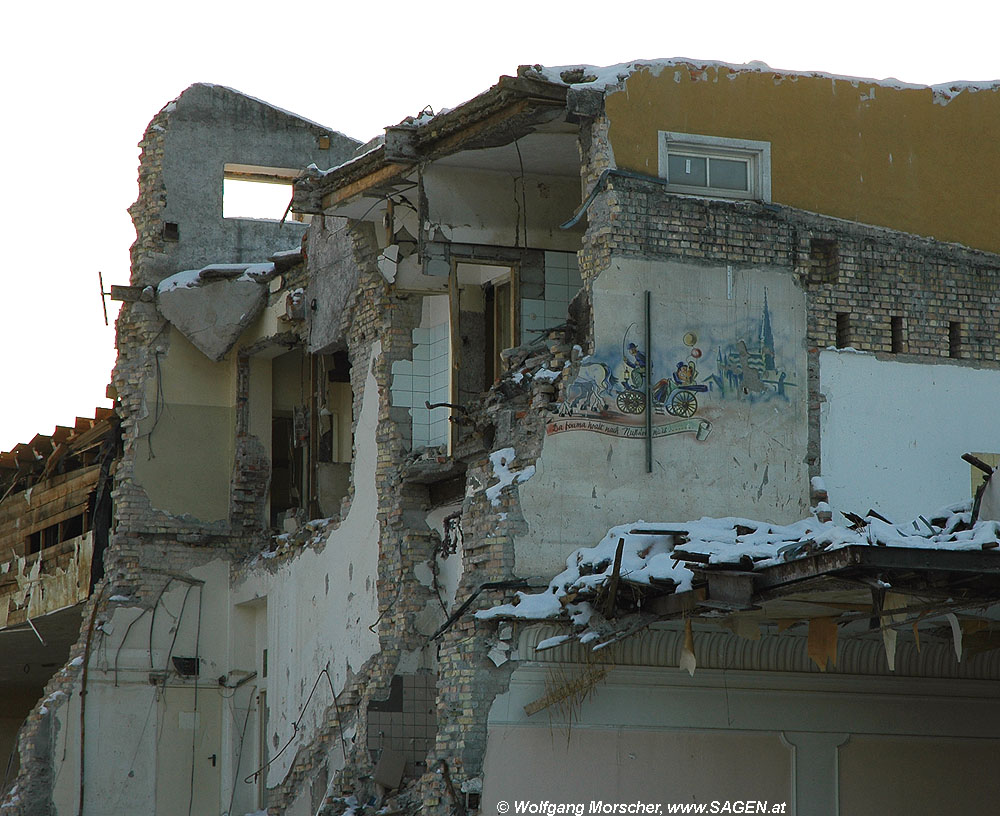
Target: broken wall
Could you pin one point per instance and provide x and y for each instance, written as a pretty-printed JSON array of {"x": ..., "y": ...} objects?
[
  {"x": 902, "y": 459},
  {"x": 335, "y": 579},
  {"x": 727, "y": 365},
  {"x": 201, "y": 131}
]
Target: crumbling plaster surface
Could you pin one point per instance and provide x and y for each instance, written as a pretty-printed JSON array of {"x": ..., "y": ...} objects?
[
  {"x": 739, "y": 454},
  {"x": 39, "y": 592},
  {"x": 903, "y": 458},
  {"x": 209, "y": 126},
  {"x": 330, "y": 247},
  {"x": 448, "y": 568},
  {"x": 335, "y": 582}
]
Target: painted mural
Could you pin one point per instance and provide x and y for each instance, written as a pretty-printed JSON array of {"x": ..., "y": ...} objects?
[{"x": 695, "y": 372}]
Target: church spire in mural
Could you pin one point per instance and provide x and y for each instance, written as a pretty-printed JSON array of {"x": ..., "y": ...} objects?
[{"x": 766, "y": 338}]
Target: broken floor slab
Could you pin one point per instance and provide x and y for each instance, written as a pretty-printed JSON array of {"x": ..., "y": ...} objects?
[{"x": 212, "y": 306}]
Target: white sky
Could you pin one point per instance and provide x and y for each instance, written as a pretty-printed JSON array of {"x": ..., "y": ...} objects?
[{"x": 80, "y": 81}]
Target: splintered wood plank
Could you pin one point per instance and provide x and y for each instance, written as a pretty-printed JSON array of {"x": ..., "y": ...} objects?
[
  {"x": 10, "y": 535},
  {"x": 78, "y": 485}
]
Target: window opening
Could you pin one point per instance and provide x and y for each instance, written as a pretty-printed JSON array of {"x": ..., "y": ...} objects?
[
  {"x": 334, "y": 411},
  {"x": 250, "y": 191},
  {"x": 55, "y": 534},
  {"x": 955, "y": 340},
  {"x": 843, "y": 330},
  {"x": 897, "y": 342},
  {"x": 487, "y": 323},
  {"x": 289, "y": 434},
  {"x": 824, "y": 260}
]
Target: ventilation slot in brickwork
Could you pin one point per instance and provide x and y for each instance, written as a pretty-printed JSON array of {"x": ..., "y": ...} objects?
[
  {"x": 897, "y": 339},
  {"x": 824, "y": 260},
  {"x": 843, "y": 330},
  {"x": 955, "y": 339}
]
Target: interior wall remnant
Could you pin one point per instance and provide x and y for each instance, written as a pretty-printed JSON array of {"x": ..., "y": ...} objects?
[
  {"x": 427, "y": 376},
  {"x": 892, "y": 475},
  {"x": 335, "y": 579},
  {"x": 209, "y": 127},
  {"x": 188, "y": 406},
  {"x": 496, "y": 209},
  {"x": 728, "y": 371},
  {"x": 402, "y": 728}
]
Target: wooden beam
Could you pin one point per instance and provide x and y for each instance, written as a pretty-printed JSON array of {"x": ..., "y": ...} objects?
[
  {"x": 373, "y": 179},
  {"x": 77, "y": 484},
  {"x": 669, "y": 606}
]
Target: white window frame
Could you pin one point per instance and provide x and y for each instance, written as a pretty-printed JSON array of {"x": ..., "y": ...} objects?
[{"x": 756, "y": 154}]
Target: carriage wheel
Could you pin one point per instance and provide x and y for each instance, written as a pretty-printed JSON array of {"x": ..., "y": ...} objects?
[
  {"x": 683, "y": 404},
  {"x": 631, "y": 402}
]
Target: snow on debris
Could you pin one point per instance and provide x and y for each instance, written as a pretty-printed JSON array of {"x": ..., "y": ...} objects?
[
  {"x": 613, "y": 75},
  {"x": 501, "y": 461},
  {"x": 191, "y": 278},
  {"x": 659, "y": 558}
]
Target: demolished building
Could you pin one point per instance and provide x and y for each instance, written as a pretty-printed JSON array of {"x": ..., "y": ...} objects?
[{"x": 367, "y": 456}]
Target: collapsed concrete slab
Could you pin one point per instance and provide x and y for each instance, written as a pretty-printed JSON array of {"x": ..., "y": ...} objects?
[{"x": 212, "y": 306}]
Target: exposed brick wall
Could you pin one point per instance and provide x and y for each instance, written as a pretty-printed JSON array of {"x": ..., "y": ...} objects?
[
  {"x": 147, "y": 210},
  {"x": 939, "y": 293}
]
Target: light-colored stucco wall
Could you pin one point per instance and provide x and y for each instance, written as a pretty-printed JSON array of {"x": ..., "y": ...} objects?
[
  {"x": 740, "y": 453},
  {"x": 658, "y": 735},
  {"x": 895, "y": 157},
  {"x": 127, "y": 715},
  {"x": 893, "y": 433}
]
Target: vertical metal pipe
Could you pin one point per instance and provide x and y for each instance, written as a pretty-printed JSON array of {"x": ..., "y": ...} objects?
[{"x": 649, "y": 387}]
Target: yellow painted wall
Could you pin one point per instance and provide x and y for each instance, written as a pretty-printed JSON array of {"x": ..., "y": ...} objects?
[{"x": 831, "y": 143}]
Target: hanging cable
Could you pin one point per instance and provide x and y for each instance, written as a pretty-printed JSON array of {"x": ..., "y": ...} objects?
[
  {"x": 524, "y": 202},
  {"x": 197, "y": 671},
  {"x": 239, "y": 752},
  {"x": 295, "y": 726}
]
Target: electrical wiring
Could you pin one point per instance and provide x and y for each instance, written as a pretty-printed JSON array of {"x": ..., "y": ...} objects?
[
  {"x": 523, "y": 209},
  {"x": 239, "y": 751},
  {"x": 197, "y": 661},
  {"x": 295, "y": 725}
]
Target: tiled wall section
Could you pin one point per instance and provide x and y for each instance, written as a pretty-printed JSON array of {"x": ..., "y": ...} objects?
[
  {"x": 545, "y": 297},
  {"x": 425, "y": 378},
  {"x": 545, "y": 305},
  {"x": 406, "y": 722}
]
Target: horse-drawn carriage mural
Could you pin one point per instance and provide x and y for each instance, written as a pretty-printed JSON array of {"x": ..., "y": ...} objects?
[{"x": 610, "y": 394}]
